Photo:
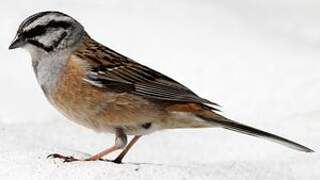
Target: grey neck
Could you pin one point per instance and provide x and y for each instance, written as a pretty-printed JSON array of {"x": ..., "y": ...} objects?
[{"x": 48, "y": 67}]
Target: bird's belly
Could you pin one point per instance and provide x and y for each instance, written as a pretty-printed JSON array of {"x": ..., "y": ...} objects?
[
  {"x": 101, "y": 109},
  {"x": 105, "y": 111}
]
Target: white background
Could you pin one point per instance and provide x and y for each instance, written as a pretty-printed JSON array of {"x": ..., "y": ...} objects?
[{"x": 259, "y": 59}]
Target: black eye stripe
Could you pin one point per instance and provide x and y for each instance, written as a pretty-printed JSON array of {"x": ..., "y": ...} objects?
[
  {"x": 41, "y": 29},
  {"x": 36, "y": 31},
  {"x": 51, "y": 47}
]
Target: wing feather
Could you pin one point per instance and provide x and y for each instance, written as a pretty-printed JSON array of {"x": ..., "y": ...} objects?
[{"x": 115, "y": 70}]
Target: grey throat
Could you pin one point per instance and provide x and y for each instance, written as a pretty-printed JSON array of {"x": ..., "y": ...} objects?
[{"x": 48, "y": 67}]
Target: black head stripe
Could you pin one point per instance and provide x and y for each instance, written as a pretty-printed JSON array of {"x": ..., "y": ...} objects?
[
  {"x": 41, "y": 29},
  {"x": 59, "y": 24},
  {"x": 34, "y": 17}
]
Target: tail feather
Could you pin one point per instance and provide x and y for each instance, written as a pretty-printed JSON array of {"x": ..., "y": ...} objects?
[
  {"x": 234, "y": 126},
  {"x": 238, "y": 127}
]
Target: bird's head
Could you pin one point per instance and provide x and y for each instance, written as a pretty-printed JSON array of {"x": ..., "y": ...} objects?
[{"x": 46, "y": 32}]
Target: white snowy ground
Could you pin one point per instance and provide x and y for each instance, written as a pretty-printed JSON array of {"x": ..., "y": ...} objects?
[{"x": 259, "y": 59}]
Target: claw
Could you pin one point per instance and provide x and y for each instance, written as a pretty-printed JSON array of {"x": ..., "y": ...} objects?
[{"x": 64, "y": 158}]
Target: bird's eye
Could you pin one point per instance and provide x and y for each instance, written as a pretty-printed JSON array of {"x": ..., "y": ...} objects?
[{"x": 36, "y": 31}]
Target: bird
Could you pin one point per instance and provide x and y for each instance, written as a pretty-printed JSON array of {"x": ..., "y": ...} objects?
[{"x": 103, "y": 90}]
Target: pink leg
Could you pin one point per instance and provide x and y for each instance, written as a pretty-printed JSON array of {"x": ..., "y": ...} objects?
[
  {"x": 103, "y": 153},
  {"x": 125, "y": 151},
  {"x": 120, "y": 142}
]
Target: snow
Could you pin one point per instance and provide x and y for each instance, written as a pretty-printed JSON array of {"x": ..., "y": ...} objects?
[{"x": 259, "y": 59}]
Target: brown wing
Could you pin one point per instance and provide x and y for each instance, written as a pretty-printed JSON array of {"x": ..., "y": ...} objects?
[{"x": 110, "y": 69}]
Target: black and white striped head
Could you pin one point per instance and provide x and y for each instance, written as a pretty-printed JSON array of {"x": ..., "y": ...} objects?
[{"x": 48, "y": 31}]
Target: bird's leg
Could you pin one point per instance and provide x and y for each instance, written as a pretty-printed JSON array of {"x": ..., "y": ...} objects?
[
  {"x": 118, "y": 160},
  {"x": 120, "y": 143}
]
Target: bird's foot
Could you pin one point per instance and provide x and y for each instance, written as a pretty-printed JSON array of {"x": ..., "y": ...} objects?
[
  {"x": 117, "y": 161},
  {"x": 67, "y": 159},
  {"x": 64, "y": 158}
]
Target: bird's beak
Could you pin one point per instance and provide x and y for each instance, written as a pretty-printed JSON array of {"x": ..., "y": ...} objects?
[{"x": 17, "y": 42}]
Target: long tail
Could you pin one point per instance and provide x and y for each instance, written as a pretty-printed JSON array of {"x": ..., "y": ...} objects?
[{"x": 238, "y": 127}]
